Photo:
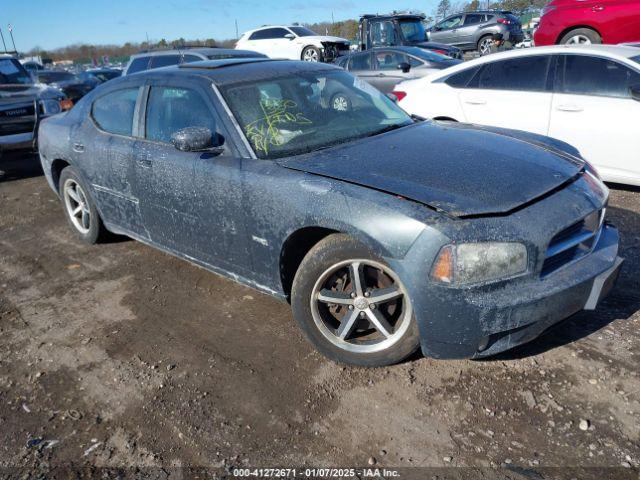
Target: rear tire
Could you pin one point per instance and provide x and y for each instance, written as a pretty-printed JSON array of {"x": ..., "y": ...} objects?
[
  {"x": 581, "y": 36},
  {"x": 79, "y": 208},
  {"x": 484, "y": 45},
  {"x": 373, "y": 324}
]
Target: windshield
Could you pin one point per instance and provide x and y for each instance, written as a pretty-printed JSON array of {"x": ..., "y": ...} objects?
[
  {"x": 301, "y": 113},
  {"x": 302, "y": 32},
  {"x": 13, "y": 73},
  {"x": 52, "y": 77},
  {"x": 413, "y": 30}
]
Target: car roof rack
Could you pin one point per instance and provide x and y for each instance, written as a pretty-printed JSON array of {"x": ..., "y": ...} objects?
[{"x": 227, "y": 62}]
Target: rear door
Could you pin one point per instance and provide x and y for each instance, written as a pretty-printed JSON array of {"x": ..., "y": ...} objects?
[
  {"x": 593, "y": 110},
  {"x": 466, "y": 33},
  {"x": 105, "y": 146},
  {"x": 514, "y": 93}
]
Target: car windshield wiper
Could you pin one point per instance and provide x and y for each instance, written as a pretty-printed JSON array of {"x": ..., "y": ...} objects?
[{"x": 386, "y": 129}]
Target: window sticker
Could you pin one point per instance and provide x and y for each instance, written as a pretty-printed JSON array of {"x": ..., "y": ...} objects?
[{"x": 266, "y": 131}]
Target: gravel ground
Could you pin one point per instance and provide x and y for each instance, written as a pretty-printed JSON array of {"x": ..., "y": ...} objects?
[{"x": 120, "y": 356}]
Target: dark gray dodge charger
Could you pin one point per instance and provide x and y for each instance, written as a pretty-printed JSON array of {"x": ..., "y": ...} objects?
[{"x": 385, "y": 232}]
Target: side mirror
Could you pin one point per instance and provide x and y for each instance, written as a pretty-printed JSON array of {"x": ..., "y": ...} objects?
[
  {"x": 290, "y": 36},
  {"x": 635, "y": 92},
  {"x": 404, "y": 66},
  {"x": 195, "y": 139}
]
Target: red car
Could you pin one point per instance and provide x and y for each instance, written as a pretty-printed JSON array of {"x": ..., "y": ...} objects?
[{"x": 589, "y": 21}]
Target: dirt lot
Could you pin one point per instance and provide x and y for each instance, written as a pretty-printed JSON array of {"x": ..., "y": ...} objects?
[{"x": 118, "y": 355}]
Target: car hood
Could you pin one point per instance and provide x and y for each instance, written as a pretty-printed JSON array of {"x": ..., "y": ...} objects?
[
  {"x": 10, "y": 94},
  {"x": 460, "y": 169},
  {"x": 323, "y": 38}
]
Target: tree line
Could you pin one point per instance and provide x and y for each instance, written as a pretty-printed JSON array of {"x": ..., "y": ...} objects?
[{"x": 86, "y": 53}]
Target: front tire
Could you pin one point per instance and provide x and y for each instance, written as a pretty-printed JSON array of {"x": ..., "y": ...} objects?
[
  {"x": 352, "y": 306},
  {"x": 312, "y": 54},
  {"x": 79, "y": 208},
  {"x": 581, "y": 36}
]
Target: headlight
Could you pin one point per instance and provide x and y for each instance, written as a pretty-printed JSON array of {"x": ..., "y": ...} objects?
[
  {"x": 470, "y": 263},
  {"x": 51, "y": 106}
]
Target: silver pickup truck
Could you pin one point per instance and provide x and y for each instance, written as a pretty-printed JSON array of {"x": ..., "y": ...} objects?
[{"x": 22, "y": 104}]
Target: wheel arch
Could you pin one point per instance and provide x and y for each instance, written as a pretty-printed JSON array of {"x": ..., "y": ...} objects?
[
  {"x": 57, "y": 166},
  {"x": 575, "y": 27},
  {"x": 310, "y": 45}
]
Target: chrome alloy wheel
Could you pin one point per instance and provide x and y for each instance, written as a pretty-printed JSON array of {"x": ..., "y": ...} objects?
[
  {"x": 361, "y": 306},
  {"x": 310, "y": 55},
  {"x": 485, "y": 46},
  {"x": 77, "y": 206},
  {"x": 579, "y": 40}
]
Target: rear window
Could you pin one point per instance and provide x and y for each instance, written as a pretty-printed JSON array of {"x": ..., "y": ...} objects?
[
  {"x": 138, "y": 65},
  {"x": 461, "y": 79},
  {"x": 164, "y": 61}
]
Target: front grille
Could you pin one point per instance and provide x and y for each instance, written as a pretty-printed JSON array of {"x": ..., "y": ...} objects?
[
  {"x": 19, "y": 125},
  {"x": 573, "y": 242}
]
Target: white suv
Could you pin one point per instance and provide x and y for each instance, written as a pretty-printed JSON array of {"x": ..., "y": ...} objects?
[{"x": 293, "y": 42}]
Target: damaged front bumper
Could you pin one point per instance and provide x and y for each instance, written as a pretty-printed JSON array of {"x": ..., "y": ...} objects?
[
  {"x": 332, "y": 50},
  {"x": 481, "y": 322}
]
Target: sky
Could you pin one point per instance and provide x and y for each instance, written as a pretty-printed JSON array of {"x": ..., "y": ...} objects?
[{"x": 50, "y": 24}]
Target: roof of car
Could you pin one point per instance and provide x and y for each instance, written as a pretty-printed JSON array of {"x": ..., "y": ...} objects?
[
  {"x": 620, "y": 52},
  {"x": 235, "y": 70},
  {"x": 181, "y": 51}
]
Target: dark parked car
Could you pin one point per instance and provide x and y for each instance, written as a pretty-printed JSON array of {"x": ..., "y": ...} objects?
[
  {"x": 474, "y": 30},
  {"x": 22, "y": 104},
  {"x": 73, "y": 86},
  {"x": 101, "y": 74},
  {"x": 384, "y": 232},
  {"x": 151, "y": 59},
  {"x": 384, "y": 68},
  {"x": 399, "y": 29}
]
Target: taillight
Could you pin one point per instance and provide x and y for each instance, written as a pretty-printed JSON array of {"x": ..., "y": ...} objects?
[
  {"x": 441, "y": 52},
  {"x": 398, "y": 94},
  {"x": 505, "y": 21}
]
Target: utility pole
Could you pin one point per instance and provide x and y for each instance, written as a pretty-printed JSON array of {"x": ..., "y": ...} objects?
[
  {"x": 4, "y": 44},
  {"x": 237, "y": 35},
  {"x": 12, "y": 40}
]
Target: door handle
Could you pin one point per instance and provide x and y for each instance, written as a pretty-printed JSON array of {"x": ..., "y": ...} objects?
[
  {"x": 475, "y": 101},
  {"x": 144, "y": 162},
  {"x": 598, "y": 8},
  {"x": 569, "y": 108},
  {"x": 78, "y": 147}
]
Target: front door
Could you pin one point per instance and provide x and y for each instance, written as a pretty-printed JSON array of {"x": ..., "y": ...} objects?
[
  {"x": 190, "y": 201},
  {"x": 593, "y": 110}
]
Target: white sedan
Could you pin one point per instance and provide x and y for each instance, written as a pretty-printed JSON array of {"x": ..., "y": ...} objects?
[
  {"x": 293, "y": 42},
  {"x": 588, "y": 96}
]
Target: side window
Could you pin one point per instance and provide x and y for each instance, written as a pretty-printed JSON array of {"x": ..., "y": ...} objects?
[
  {"x": 138, "y": 65},
  {"x": 449, "y": 23},
  {"x": 389, "y": 60},
  {"x": 383, "y": 34},
  {"x": 269, "y": 33},
  {"x": 164, "y": 61},
  {"x": 473, "y": 19},
  {"x": 191, "y": 58},
  {"x": 170, "y": 109},
  {"x": 360, "y": 61},
  {"x": 585, "y": 75},
  {"x": 461, "y": 79},
  {"x": 414, "y": 62},
  {"x": 113, "y": 112},
  {"x": 521, "y": 74}
]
